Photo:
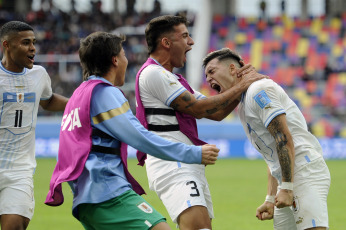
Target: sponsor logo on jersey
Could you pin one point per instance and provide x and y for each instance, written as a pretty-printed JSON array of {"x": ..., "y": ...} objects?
[
  {"x": 145, "y": 207},
  {"x": 71, "y": 120},
  {"x": 300, "y": 220}
]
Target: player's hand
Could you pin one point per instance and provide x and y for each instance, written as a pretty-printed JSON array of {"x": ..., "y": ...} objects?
[
  {"x": 284, "y": 198},
  {"x": 209, "y": 154},
  {"x": 249, "y": 74},
  {"x": 265, "y": 211}
]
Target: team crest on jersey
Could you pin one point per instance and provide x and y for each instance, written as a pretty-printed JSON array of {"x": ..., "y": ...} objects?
[
  {"x": 262, "y": 99},
  {"x": 145, "y": 207},
  {"x": 295, "y": 205},
  {"x": 20, "y": 97}
]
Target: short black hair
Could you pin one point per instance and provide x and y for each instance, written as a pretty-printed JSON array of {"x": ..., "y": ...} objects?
[
  {"x": 96, "y": 52},
  {"x": 159, "y": 26},
  {"x": 223, "y": 54},
  {"x": 14, "y": 27}
]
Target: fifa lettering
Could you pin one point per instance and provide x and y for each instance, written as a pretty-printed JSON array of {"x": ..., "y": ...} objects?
[{"x": 71, "y": 120}]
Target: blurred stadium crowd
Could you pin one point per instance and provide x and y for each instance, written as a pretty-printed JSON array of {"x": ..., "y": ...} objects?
[{"x": 306, "y": 57}]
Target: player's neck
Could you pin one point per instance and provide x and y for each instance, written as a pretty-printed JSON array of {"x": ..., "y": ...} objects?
[
  {"x": 11, "y": 67},
  {"x": 163, "y": 60}
]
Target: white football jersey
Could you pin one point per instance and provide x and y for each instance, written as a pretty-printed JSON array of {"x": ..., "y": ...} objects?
[
  {"x": 262, "y": 102},
  {"x": 20, "y": 94},
  {"x": 158, "y": 88}
]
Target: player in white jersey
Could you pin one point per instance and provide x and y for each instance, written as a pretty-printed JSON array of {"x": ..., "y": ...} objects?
[
  {"x": 170, "y": 106},
  {"x": 157, "y": 168},
  {"x": 298, "y": 177},
  {"x": 23, "y": 87}
]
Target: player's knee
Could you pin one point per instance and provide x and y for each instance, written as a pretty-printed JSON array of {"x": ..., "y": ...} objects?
[
  {"x": 14, "y": 226},
  {"x": 12, "y": 222}
]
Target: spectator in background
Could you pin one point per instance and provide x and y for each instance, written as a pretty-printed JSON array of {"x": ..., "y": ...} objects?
[
  {"x": 263, "y": 8},
  {"x": 23, "y": 87},
  {"x": 298, "y": 177},
  {"x": 156, "y": 9}
]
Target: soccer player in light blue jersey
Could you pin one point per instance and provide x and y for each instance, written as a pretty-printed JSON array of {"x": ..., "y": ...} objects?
[
  {"x": 298, "y": 179},
  {"x": 105, "y": 194},
  {"x": 23, "y": 87}
]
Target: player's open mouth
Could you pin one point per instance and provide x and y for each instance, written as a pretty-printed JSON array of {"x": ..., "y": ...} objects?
[
  {"x": 31, "y": 57},
  {"x": 216, "y": 87},
  {"x": 187, "y": 51}
]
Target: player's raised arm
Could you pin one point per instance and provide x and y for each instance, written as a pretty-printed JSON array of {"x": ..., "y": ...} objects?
[{"x": 208, "y": 107}]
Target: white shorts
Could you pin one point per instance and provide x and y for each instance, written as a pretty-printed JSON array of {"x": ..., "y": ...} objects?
[
  {"x": 17, "y": 195},
  {"x": 309, "y": 209},
  {"x": 181, "y": 189}
]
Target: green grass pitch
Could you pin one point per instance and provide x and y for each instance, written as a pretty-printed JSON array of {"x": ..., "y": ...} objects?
[{"x": 238, "y": 187}]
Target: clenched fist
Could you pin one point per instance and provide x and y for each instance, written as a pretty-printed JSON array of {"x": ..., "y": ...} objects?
[{"x": 209, "y": 154}]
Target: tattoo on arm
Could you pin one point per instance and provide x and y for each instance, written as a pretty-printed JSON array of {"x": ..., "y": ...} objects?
[
  {"x": 186, "y": 97},
  {"x": 175, "y": 106},
  {"x": 282, "y": 149}
]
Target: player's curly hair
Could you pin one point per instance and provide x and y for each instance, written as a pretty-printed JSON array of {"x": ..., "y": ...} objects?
[
  {"x": 160, "y": 26},
  {"x": 96, "y": 52}
]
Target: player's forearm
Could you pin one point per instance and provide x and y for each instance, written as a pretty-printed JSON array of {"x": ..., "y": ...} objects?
[
  {"x": 285, "y": 152},
  {"x": 272, "y": 184},
  {"x": 186, "y": 103},
  {"x": 284, "y": 146},
  {"x": 221, "y": 114},
  {"x": 128, "y": 129}
]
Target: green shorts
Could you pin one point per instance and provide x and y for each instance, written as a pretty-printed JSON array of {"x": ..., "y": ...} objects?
[{"x": 127, "y": 211}]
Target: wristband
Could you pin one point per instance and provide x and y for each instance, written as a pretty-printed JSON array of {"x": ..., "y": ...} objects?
[
  {"x": 270, "y": 199},
  {"x": 287, "y": 185}
]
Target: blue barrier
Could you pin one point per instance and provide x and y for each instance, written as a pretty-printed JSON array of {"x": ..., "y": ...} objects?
[{"x": 229, "y": 137}]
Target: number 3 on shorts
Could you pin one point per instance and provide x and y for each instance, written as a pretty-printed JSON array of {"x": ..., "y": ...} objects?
[{"x": 194, "y": 188}]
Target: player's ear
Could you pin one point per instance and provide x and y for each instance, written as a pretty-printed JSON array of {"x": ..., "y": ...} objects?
[
  {"x": 165, "y": 42},
  {"x": 115, "y": 61},
  {"x": 232, "y": 69},
  {"x": 5, "y": 44}
]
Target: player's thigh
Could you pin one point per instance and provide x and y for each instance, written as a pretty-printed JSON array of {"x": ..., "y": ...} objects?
[
  {"x": 284, "y": 219},
  {"x": 13, "y": 222},
  {"x": 18, "y": 198},
  {"x": 310, "y": 196},
  {"x": 183, "y": 190},
  {"x": 128, "y": 211}
]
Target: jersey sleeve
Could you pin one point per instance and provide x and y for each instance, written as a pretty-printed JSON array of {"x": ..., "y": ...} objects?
[
  {"x": 47, "y": 85},
  {"x": 198, "y": 95},
  {"x": 114, "y": 117},
  {"x": 161, "y": 84},
  {"x": 264, "y": 101}
]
